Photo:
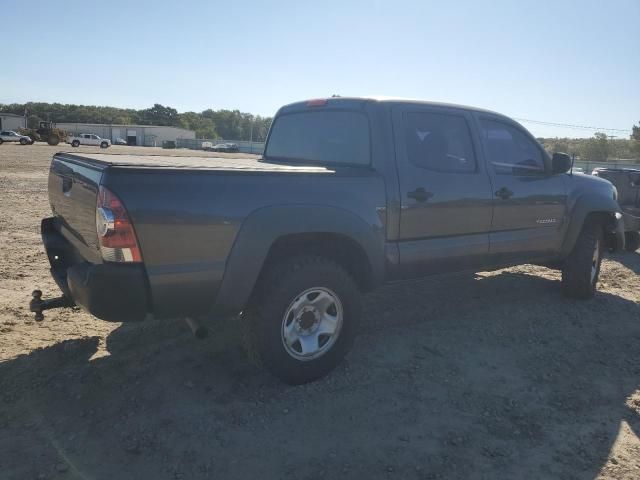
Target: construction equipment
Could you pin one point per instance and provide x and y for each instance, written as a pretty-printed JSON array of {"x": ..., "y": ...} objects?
[{"x": 48, "y": 133}]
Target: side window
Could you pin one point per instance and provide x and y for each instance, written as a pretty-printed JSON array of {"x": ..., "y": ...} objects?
[
  {"x": 510, "y": 151},
  {"x": 439, "y": 142}
]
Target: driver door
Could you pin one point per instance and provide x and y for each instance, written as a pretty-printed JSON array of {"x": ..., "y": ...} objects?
[{"x": 530, "y": 204}]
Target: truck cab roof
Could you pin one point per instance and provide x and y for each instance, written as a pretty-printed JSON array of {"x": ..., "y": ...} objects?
[{"x": 360, "y": 102}]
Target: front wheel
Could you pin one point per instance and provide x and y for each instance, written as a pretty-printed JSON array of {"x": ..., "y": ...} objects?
[
  {"x": 75, "y": 143},
  {"x": 303, "y": 319},
  {"x": 104, "y": 145},
  {"x": 23, "y": 141},
  {"x": 582, "y": 267}
]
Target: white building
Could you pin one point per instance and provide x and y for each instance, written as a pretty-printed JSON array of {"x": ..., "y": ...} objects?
[
  {"x": 146, "y": 135},
  {"x": 9, "y": 121}
]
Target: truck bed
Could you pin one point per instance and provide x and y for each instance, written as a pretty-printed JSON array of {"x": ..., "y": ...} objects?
[{"x": 251, "y": 163}]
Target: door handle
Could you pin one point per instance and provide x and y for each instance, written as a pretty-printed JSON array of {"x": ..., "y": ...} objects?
[
  {"x": 420, "y": 195},
  {"x": 504, "y": 193}
]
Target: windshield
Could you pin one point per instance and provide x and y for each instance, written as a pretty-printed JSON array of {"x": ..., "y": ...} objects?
[{"x": 336, "y": 137}]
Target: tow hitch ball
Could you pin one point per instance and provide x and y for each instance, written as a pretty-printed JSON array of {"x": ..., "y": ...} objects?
[{"x": 37, "y": 305}]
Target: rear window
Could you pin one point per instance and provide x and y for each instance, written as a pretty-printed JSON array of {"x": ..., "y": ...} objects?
[{"x": 337, "y": 137}]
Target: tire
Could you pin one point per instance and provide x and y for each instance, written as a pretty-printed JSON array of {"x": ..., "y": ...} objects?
[
  {"x": 1, "y": 141},
  {"x": 75, "y": 143},
  {"x": 582, "y": 267},
  {"x": 284, "y": 302},
  {"x": 104, "y": 145},
  {"x": 631, "y": 241},
  {"x": 54, "y": 140},
  {"x": 23, "y": 141}
]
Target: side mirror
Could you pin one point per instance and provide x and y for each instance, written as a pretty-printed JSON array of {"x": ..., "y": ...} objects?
[{"x": 560, "y": 163}]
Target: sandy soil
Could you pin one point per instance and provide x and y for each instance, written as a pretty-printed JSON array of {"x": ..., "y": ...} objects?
[{"x": 492, "y": 375}]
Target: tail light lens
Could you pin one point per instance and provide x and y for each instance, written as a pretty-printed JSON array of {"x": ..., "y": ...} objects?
[{"x": 118, "y": 242}]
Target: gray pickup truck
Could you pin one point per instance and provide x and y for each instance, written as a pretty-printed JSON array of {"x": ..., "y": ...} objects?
[{"x": 349, "y": 194}]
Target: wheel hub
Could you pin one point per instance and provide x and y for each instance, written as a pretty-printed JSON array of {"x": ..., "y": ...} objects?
[
  {"x": 312, "y": 323},
  {"x": 307, "y": 320}
]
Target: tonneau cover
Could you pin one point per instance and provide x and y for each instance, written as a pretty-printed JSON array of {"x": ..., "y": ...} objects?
[{"x": 224, "y": 163}]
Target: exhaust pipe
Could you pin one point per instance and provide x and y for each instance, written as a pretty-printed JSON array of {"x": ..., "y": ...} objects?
[{"x": 199, "y": 331}]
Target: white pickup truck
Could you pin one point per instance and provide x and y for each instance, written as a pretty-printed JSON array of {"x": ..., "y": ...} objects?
[{"x": 89, "y": 139}]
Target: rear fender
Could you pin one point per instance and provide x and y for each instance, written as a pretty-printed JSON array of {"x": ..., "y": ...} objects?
[{"x": 263, "y": 227}]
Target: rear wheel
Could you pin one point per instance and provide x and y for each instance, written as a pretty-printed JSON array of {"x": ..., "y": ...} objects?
[
  {"x": 75, "y": 143},
  {"x": 55, "y": 140},
  {"x": 304, "y": 318},
  {"x": 632, "y": 241},
  {"x": 1, "y": 141},
  {"x": 582, "y": 267}
]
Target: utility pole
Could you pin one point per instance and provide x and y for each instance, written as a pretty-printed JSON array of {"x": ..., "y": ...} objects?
[{"x": 251, "y": 137}]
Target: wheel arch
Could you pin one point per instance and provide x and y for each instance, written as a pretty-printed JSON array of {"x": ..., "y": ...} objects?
[
  {"x": 273, "y": 233},
  {"x": 594, "y": 208}
]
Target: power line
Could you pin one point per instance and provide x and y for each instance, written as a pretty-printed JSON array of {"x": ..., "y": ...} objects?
[{"x": 576, "y": 127}]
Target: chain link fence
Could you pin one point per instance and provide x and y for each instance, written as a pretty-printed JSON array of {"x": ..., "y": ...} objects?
[{"x": 588, "y": 166}]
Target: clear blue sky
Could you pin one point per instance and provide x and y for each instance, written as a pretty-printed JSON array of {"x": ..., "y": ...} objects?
[{"x": 575, "y": 62}]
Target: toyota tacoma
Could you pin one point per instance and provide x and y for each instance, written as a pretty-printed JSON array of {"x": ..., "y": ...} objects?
[{"x": 349, "y": 194}]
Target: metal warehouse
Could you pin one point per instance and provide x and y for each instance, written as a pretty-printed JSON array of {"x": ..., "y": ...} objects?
[
  {"x": 146, "y": 135},
  {"x": 9, "y": 121}
]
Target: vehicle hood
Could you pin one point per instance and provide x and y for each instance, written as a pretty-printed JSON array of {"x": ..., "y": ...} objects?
[{"x": 586, "y": 183}]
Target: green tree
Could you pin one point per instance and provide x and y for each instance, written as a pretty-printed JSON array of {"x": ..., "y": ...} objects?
[
  {"x": 596, "y": 148},
  {"x": 635, "y": 139},
  {"x": 228, "y": 124},
  {"x": 160, "y": 115}
]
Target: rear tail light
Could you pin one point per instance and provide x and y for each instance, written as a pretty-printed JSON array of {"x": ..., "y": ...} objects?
[{"x": 118, "y": 242}]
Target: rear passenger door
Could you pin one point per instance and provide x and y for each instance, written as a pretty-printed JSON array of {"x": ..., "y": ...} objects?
[
  {"x": 530, "y": 202},
  {"x": 446, "y": 198}
]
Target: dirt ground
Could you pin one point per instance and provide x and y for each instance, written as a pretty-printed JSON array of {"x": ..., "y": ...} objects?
[{"x": 487, "y": 375}]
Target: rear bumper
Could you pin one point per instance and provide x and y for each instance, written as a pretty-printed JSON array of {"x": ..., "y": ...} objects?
[{"x": 111, "y": 292}]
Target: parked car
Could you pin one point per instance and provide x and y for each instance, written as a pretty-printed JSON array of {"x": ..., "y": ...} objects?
[
  {"x": 351, "y": 193},
  {"x": 11, "y": 136},
  {"x": 627, "y": 183},
  {"x": 89, "y": 139},
  {"x": 225, "y": 147},
  {"x": 120, "y": 141}
]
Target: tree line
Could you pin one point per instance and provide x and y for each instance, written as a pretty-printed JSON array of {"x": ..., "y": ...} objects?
[
  {"x": 236, "y": 125},
  {"x": 226, "y": 124},
  {"x": 598, "y": 148}
]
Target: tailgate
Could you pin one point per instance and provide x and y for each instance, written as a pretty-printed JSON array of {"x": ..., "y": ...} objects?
[{"x": 73, "y": 192}]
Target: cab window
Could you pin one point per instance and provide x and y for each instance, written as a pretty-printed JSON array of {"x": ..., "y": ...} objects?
[
  {"x": 510, "y": 151},
  {"x": 439, "y": 142},
  {"x": 332, "y": 137}
]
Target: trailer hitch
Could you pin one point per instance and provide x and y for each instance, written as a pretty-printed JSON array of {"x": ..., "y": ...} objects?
[{"x": 37, "y": 305}]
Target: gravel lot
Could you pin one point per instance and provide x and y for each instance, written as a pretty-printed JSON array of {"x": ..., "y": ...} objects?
[{"x": 487, "y": 375}]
